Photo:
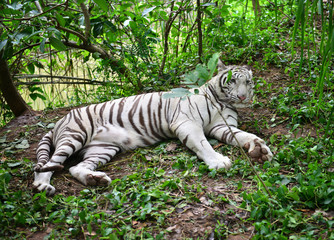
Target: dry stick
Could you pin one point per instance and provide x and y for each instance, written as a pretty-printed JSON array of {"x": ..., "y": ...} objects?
[{"x": 242, "y": 150}]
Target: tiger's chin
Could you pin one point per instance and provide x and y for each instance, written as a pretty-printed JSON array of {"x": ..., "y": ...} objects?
[{"x": 241, "y": 105}]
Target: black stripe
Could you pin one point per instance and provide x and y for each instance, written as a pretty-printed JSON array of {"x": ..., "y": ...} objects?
[
  {"x": 132, "y": 113},
  {"x": 102, "y": 110},
  {"x": 89, "y": 115},
  {"x": 120, "y": 111},
  {"x": 208, "y": 109}
]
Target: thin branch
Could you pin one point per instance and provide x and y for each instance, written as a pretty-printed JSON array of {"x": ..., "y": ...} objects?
[
  {"x": 78, "y": 34},
  {"x": 48, "y": 76},
  {"x": 166, "y": 34},
  {"x": 59, "y": 82},
  {"x": 90, "y": 48},
  {"x": 27, "y": 47},
  {"x": 185, "y": 45}
]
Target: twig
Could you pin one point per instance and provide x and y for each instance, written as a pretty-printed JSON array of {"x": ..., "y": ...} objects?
[
  {"x": 78, "y": 34},
  {"x": 116, "y": 216}
]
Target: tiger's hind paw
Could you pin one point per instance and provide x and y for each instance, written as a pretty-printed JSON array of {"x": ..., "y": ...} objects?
[
  {"x": 89, "y": 177},
  {"x": 97, "y": 179},
  {"x": 40, "y": 187}
]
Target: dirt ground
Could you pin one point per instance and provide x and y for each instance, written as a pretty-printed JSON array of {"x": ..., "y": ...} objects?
[{"x": 190, "y": 221}]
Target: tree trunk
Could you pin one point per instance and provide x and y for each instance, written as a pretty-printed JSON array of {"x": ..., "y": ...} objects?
[
  {"x": 9, "y": 91},
  {"x": 256, "y": 8},
  {"x": 199, "y": 29}
]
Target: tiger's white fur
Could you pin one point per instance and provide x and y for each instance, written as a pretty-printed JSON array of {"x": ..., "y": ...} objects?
[{"x": 100, "y": 131}]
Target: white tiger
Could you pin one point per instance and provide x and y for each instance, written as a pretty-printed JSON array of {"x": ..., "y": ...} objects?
[{"x": 100, "y": 131}]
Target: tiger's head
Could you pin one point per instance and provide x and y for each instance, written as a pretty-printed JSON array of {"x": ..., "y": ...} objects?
[{"x": 233, "y": 84}]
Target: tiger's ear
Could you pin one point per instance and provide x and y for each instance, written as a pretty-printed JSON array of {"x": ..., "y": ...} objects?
[
  {"x": 220, "y": 65},
  {"x": 247, "y": 67}
]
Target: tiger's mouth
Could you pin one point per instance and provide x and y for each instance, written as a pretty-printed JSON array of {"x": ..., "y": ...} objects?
[{"x": 242, "y": 103}]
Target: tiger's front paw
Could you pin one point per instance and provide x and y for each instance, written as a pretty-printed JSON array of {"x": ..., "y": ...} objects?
[
  {"x": 219, "y": 161},
  {"x": 258, "y": 150}
]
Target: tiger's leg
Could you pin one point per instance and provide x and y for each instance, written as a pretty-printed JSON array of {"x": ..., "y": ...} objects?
[
  {"x": 192, "y": 135},
  {"x": 42, "y": 183},
  {"x": 257, "y": 148},
  {"x": 43, "y": 174},
  {"x": 95, "y": 154}
]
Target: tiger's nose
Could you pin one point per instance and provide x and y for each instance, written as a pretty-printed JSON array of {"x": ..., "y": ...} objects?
[{"x": 242, "y": 97}]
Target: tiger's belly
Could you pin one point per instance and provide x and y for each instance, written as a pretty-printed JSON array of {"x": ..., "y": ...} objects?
[{"x": 126, "y": 139}]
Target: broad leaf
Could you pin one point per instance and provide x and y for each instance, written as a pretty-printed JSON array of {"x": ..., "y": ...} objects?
[
  {"x": 60, "y": 20},
  {"x": 177, "y": 93},
  {"x": 23, "y": 145},
  {"x": 147, "y": 11},
  {"x": 3, "y": 44},
  {"x": 202, "y": 73},
  {"x": 57, "y": 44},
  {"x": 212, "y": 64},
  {"x": 102, "y": 4}
]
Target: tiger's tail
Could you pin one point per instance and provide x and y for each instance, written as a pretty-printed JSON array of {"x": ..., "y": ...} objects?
[{"x": 43, "y": 151}]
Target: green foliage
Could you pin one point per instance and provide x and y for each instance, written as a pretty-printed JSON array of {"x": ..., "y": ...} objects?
[{"x": 195, "y": 78}]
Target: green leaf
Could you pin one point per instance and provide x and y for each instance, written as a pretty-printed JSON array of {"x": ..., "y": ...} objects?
[
  {"x": 98, "y": 29},
  {"x": 42, "y": 45},
  {"x": 57, "y": 44},
  {"x": 15, "y": 6},
  {"x": 147, "y": 11},
  {"x": 33, "y": 96},
  {"x": 60, "y": 20},
  {"x": 23, "y": 145},
  {"x": 113, "y": 236},
  {"x": 208, "y": 4},
  {"x": 3, "y": 139},
  {"x": 102, "y": 4},
  {"x": 8, "y": 50},
  {"x": 3, "y": 43},
  {"x": 229, "y": 76},
  {"x": 13, "y": 165},
  {"x": 212, "y": 64},
  {"x": 177, "y": 92},
  {"x": 31, "y": 68},
  {"x": 50, "y": 125},
  {"x": 202, "y": 72},
  {"x": 191, "y": 78}
]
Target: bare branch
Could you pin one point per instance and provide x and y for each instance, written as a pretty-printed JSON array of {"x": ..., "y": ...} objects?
[
  {"x": 90, "y": 48},
  {"x": 166, "y": 34},
  {"x": 78, "y": 34},
  {"x": 76, "y": 79}
]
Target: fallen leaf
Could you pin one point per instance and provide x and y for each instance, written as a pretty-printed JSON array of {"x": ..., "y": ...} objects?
[
  {"x": 171, "y": 147},
  {"x": 23, "y": 145}
]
